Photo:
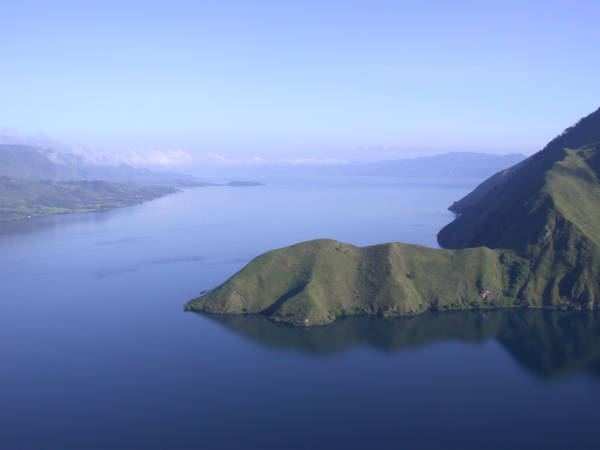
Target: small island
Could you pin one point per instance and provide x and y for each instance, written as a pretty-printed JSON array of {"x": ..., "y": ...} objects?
[{"x": 528, "y": 237}]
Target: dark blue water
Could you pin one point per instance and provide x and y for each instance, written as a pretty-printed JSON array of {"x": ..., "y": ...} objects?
[{"x": 97, "y": 352}]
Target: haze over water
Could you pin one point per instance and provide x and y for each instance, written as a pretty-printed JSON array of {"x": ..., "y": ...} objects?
[{"x": 97, "y": 351}]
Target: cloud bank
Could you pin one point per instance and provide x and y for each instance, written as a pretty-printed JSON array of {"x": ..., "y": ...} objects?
[
  {"x": 217, "y": 158},
  {"x": 61, "y": 152}
]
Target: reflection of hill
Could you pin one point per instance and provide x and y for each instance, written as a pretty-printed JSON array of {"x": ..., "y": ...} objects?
[
  {"x": 552, "y": 343},
  {"x": 547, "y": 343}
]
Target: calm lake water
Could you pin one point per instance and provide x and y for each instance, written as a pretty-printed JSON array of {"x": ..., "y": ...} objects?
[{"x": 97, "y": 352}]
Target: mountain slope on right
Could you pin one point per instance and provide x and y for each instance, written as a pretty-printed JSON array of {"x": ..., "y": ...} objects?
[{"x": 546, "y": 209}]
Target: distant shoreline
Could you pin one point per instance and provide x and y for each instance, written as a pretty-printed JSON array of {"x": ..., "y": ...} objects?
[{"x": 28, "y": 199}]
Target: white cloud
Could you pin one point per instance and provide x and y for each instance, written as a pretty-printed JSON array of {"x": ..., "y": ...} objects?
[
  {"x": 158, "y": 158},
  {"x": 221, "y": 159},
  {"x": 12, "y": 136},
  {"x": 212, "y": 158},
  {"x": 62, "y": 152},
  {"x": 308, "y": 161},
  {"x": 8, "y": 135},
  {"x": 165, "y": 158},
  {"x": 216, "y": 157}
]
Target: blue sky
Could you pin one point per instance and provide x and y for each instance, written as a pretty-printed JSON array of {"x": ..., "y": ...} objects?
[{"x": 327, "y": 79}]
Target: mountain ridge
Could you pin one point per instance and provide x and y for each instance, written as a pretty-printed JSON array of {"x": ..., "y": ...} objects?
[{"x": 449, "y": 164}]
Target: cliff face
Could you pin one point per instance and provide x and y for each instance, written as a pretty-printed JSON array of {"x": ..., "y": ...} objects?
[{"x": 528, "y": 237}]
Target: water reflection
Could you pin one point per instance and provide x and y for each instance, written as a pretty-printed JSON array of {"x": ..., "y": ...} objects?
[
  {"x": 140, "y": 265},
  {"x": 60, "y": 221},
  {"x": 550, "y": 344}
]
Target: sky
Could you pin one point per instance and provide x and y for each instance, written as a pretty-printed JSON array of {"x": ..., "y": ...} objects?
[{"x": 324, "y": 80}]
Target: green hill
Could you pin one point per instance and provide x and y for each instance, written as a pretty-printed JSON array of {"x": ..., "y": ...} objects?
[
  {"x": 314, "y": 282},
  {"x": 527, "y": 237}
]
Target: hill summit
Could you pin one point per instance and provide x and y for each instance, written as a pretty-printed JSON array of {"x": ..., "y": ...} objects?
[{"x": 528, "y": 236}]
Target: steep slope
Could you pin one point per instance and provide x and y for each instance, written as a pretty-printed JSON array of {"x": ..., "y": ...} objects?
[
  {"x": 491, "y": 183},
  {"x": 548, "y": 212},
  {"x": 496, "y": 219},
  {"x": 586, "y": 131},
  {"x": 529, "y": 238}
]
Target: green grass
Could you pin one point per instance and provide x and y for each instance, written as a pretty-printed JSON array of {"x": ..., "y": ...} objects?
[{"x": 313, "y": 283}]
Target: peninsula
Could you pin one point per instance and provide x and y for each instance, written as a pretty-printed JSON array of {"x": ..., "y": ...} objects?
[
  {"x": 26, "y": 199},
  {"x": 527, "y": 237},
  {"x": 38, "y": 182}
]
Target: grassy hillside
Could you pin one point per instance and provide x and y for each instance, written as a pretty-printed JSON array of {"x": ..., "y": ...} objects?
[
  {"x": 549, "y": 214},
  {"x": 490, "y": 184},
  {"x": 585, "y": 132},
  {"x": 531, "y": 240},
  {"x": 314, "y": 282},
  {"x": 21, "y": 199}
]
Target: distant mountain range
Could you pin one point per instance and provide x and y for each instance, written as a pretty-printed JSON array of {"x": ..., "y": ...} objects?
[
  {"x": 32, "y": 163},
  {"x": 36, "y": 181},
  {"x": 447, "y": 165}
]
